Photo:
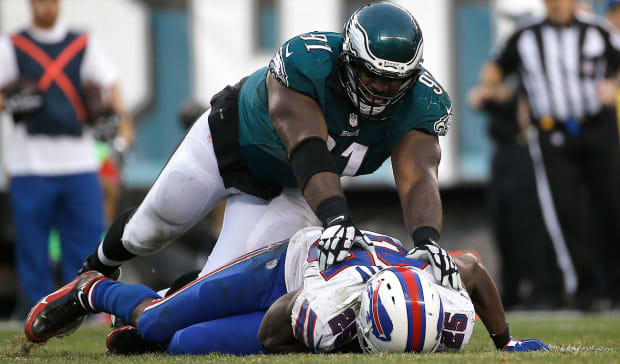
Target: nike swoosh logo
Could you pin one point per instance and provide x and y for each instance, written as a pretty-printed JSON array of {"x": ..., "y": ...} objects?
[
  {"x": 335, "y": 219},
  {"x": 83, "y": 299},
  {"x": 287, "y": 53}
]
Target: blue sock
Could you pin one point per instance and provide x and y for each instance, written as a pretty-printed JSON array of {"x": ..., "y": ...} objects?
[
  {"x": 119, "y": 298},
  {"x": 236, "y": 335}
]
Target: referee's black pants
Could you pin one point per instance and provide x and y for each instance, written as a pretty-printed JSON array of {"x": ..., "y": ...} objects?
[
  {"x": 584, "y": 176},
  {"x": 519, "y": 230}
]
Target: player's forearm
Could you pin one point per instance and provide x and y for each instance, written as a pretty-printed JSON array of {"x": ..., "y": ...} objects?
[
  {"x": 415, "y": 162},
  {"x": 126, "y": 127},
  {"x": 320, "y": 187},
  {"x": 116, "y": 99},
  {"x": 483, "y": 293},
  {"x": 421, "y": 204},
  {"x": 491, "y": 75},
  {"x": 490, "y": 87}
]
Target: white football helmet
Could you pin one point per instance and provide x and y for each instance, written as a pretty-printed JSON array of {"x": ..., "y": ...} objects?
[{"x": 401, "y": 311}]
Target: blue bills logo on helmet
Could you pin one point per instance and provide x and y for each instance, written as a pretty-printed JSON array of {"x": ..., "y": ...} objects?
[
  {"x": 400, "y": 311},
  {"x": 381, "y": 323}
]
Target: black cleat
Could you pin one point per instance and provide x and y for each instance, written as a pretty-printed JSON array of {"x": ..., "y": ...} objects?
[
  {"x": 117, "y": 322},
  {"x": 127, "y": 341},
  {"x": 62, "y": 312}
]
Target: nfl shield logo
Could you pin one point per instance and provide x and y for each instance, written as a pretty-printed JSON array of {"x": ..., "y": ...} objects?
[{"x": 353, "y": 119}]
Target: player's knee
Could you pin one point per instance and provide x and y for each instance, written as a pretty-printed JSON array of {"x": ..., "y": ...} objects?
[
  {"x": 178, "y": 188},
  {"x": 190, "y": 340},
  {"x": 144, "y": 235}
]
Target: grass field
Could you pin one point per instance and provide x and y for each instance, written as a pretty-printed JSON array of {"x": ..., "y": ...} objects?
[{"x": 573, "y": 338}]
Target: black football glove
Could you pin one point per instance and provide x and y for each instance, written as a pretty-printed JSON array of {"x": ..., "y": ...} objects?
[
  {"x": 444, "y": 268},
  {"x": 105, "y": 127},
  {"x": 22, "y": 99},
  {"x": 338, "y": 238}
]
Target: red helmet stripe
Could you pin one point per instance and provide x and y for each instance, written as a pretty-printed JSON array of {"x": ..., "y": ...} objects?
[{"x": 415, "y": 311}]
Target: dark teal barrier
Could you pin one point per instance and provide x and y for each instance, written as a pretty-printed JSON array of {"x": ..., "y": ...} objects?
[
  {"x": 159, "y": 133},
  {"x": 473, "y": 41}
]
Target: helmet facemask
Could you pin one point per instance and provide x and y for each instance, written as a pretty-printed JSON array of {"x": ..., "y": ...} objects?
[{"x": 369, "y": 104}]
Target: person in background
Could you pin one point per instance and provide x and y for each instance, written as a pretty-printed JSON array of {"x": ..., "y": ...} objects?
[
  {"x": 613, "y": 15},
  {"x": 110, "y": 178},
  {"x": 51, "y": 160},
  {"x": 568, "y": 63},
  {"x": 514, "y": 209}
]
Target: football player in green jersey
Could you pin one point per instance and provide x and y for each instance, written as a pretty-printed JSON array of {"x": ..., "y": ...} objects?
[
  {"x": 276, "y": 144},
  {"x": 340, "y": 104}
]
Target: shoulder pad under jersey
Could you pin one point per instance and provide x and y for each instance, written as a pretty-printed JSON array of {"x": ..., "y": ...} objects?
[
  {"x": 305, "y": 63},
  {"x": 427, "y": 108}
]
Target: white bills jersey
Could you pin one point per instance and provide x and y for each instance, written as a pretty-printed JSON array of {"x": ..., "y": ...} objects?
[{"x": 323, "y": 315}]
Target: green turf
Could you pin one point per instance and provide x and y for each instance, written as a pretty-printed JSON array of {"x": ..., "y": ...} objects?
[{"x": 573, "y": 338}]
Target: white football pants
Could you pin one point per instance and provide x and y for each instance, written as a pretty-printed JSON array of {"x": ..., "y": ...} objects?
[{"x": 190, "y": 186}]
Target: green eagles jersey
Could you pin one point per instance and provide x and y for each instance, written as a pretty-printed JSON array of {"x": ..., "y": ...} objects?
[{"x": 308, "y": 64}]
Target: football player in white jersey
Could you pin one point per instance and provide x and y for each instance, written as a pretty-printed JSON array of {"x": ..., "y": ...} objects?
[
  {"x": 332, "y": 298},
  {"x": 306, "y": 309}
]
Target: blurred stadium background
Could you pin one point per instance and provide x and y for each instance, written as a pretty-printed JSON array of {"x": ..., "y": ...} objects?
[{"x": 172, "y": 51}]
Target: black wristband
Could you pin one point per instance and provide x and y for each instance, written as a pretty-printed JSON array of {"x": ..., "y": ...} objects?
[
  {"x": 500, "y": 340},
  {"x": 423, "y": 235},
  {"x": 309, "y": 157},
  {"x": 332, "y": 207}
]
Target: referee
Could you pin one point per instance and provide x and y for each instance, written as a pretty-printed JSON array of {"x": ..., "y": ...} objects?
[{"x": 568, "y": 64}]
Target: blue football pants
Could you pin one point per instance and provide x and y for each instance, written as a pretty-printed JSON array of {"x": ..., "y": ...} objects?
[
  {"x": 71, "y": 203},
  {"x": 218, "y": 312}
]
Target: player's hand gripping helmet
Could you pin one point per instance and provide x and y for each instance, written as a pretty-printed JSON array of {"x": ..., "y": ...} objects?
[
  {"x": 401, "y": 311},
  {"x": 382, "y": 41}
]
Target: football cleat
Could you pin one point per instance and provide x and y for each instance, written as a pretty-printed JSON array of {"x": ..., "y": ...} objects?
[
  {"x": 127, "y": 341},
  {"x": 117, "y": 322},
  {"x": 62, "y": 312}
]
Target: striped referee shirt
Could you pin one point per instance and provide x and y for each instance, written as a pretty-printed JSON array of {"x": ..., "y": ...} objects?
[{"x": 560, "y": 66}]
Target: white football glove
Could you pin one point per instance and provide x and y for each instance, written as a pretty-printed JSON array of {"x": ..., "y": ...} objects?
[
  {"x": 337, "y": 240},
  {"x": 444, "y": 268}
]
